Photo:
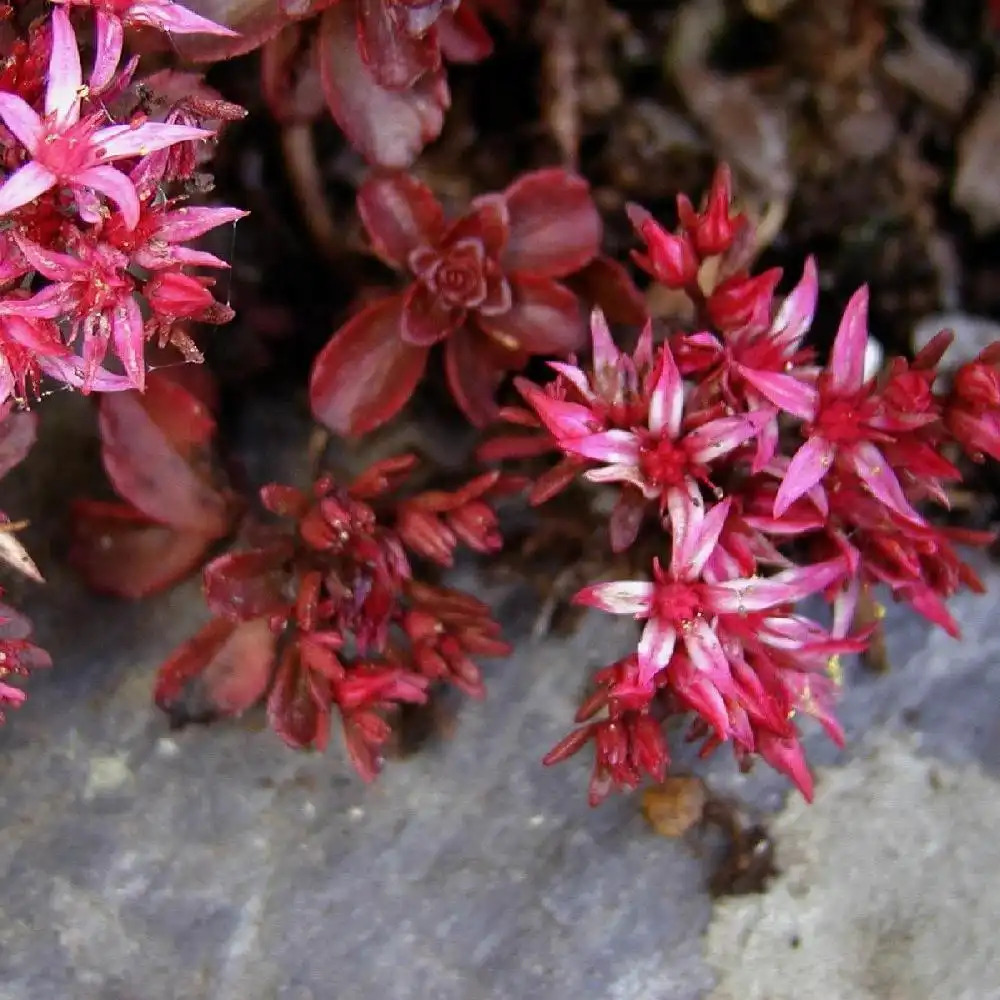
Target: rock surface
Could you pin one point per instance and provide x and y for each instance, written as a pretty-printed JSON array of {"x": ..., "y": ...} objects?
[{"x": 136, "y": 863}]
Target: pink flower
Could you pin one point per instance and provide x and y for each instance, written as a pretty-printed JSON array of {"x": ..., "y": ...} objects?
[
  {"x": 72, "y": 151},
  {"x": 842, "y": 427},
  {"x": 679, "y": 605},
  {"x": 95, "y": 290},
  {"x": 660, "y": 459},
  {"x": 112, "y": 17}
]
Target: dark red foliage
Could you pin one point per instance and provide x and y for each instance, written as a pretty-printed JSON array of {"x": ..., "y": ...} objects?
[
  {"x": 323, "y": 613},
  {"x": 158, "y": 451},
  {"x": 380, "y": 62},
  {"x": 484, "y": 284}
]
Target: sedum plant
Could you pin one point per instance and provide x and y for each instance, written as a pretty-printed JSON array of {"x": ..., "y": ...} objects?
[{"x": 761, "y": 491}]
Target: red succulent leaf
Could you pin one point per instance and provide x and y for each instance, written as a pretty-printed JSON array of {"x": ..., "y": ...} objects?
[
  {"x": 289, "y": 76},
  {"x": 285, "y": 501},
  {"x": 388, "y": 127},
  {"x": 427, "y": 318},
  {"x": 156, "y": 451},
  {"x": 119, "y": 550},
  {"x": 396, "y": 57},
  {"x": 544, "y": 318},
  {"x": 196, "y": 379},
  {"x": 554, "y": 228},
  {"x": 487, "y": 221},
  {"x": 606, "y": 284},
  {"x": 473, "y": 376},
  {"x": 298, "y": 707},
  {"x": 462, "y": 36},
  {"x": 245, "y": 585},
  {"x": 383, "y": 476},
  {"x": 256, "y": 21},
  {"x": 222, "y": 670},
  {"x": 17, "y": 434},
  {"x": 400, "y": 214},
  {"x": 366, "y": 372}
]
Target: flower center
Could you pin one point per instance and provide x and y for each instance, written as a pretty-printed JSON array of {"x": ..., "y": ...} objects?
[
  {"x": 678, "y": 603},
  {"x": 840, "y": 422},
  {"x": 662, "y": 463},
  {"x": 67, "y": 151}
]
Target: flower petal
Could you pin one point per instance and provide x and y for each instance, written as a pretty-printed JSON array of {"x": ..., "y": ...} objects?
[
  {"x": 796, "y": 313},
  {"x": 176, "y": 19},
  {"x": 613, "y": 447},
  {"x": 110, "y": 38},
  {"x": 21, "y": 119},
  {"x": 366, "y": 372},
  {"x": 127, "y": 334},
  {"x": 400, "y": 214},
  {"x": 25, "y": 185},
  {"x": 544, "y": 318},
  {"x": 876, "y": 473},
  {"x": 387, "y": 127},
  {"x": 847, "y": 356},
  {"x": 192, "y": 221},
  {"x": 622, "y": 597},
  {"x": 719, "y": 437},
  {"x": 656, "y": 647},
  {"x": 114, "y": 185},
  {"x": 554, "y": 226},
  {"x": 564, "y": 420},
  {"x": 699, "y": 546},
  {"x": 807, "y": 467},
  {"x": 787, "y": 587},
  {"x": 666, "y": 401},
  {"x": 120, "y": 142},
  {"x": 786, "y": 391},
  {"x": 62, "y": 94}
]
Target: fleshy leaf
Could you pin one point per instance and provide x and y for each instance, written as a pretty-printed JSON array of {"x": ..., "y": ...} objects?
[
  {"x": 388, "y": 127},
  {"x": 298, "y": 707},
  {"x": 554, "y": 226},
  {"x": 544, "y": 318},
  {"x": 244, "y": 585},
  {"x": 155, "y": 448},
  {"x": 17, "y": 435},
  {"x": 119, "y": 550},
  {"x": 367, "y": 372},
  {"x": 400, "y": 214},
  {"x": 222, "y": 670}
]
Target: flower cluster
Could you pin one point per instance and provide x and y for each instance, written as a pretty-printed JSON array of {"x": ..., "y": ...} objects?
[
  {"x": 379, "y": 63},
  {"x": 485, "y": 285},
  {"x": 18, "y": 655},
  {"x": 771, "y": 479},
  {"x": 94, "y": 204},
  {"x": 323, "y": 611}
]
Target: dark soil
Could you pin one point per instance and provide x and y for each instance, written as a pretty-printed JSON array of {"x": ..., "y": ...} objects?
[{"x": 854, "y": 121}]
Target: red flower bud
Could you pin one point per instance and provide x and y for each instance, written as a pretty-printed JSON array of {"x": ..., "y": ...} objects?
[
  {"x": 670, "y": 259},
  {"x": 714, "y": 230},
  {"x": 978, "y": 385},
  {"x": 739, "y": 299}
]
